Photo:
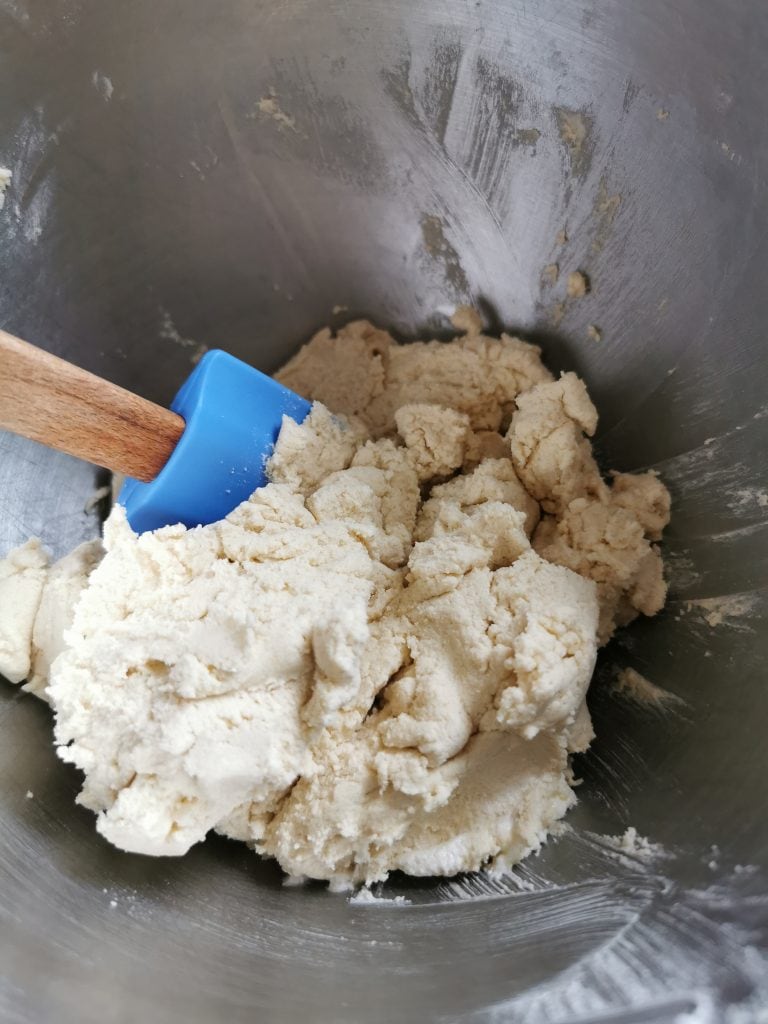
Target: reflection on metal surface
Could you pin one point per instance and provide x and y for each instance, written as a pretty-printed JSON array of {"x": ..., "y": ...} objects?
[{"x": 427, "y": 150}]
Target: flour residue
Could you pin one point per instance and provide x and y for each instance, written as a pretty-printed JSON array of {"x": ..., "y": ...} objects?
[
  {"x": 550, "y": 275},
  {"x": 624, "y": 940},
  {"x": 730, "y": 610},
  {"x": 170, "y": 332},
  {"x": 604, "y": 212},
  {"x": 34, "y": 172},
  {"x": 630, "y": 684},
  {"x": 681, "y": 570},
  {"x": 645, "y": 947},
  {"x": 731, "y": 153},
  {"x": 635, "y": 845},
  {"x": 103, "y": 85},
  {"x": 269, "y": 106},
  {"x": 575, "y": 128},
  {"x": 556, "y": 312},
  {"x": 484, "y": 886},
  {"x": 745, "y": 498},
  {"x": 441, "y": 250}
]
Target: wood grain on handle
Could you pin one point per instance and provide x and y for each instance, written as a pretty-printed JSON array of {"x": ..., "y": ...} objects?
[{"x": 49, "y": 400}]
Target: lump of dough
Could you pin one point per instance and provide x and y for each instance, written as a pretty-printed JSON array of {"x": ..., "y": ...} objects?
[
  {"x": 193, "y": 654},
  {"x": 377, "y": 497},
  {"x": 607, "y": 544},
  {"x": 485, "y": 444},
  {"x": 37, "y": 605},
  {"x": 363, "y": 373},
  {"x": 490, "y": 806},
  {"x": 645, "y": 497},
  {"x": 209, "y": 672},
  {"x": 345, "y": 371},
  {"x": 436, "y": 438},
  {"x": 446, "y": 609},
  {"x": 465, "y": 764},
  {"x": 22, "y": 578},
  {"x": 378, "y": 661},
  {"x": 552, "y": 616},
  {"x": 64, "y": 583},
  {"x": 310, "y": 452},
  {"x": 491, "y": 480},
  {"x": 603, "y": 533},
  {"x": 552, "y": 456}
]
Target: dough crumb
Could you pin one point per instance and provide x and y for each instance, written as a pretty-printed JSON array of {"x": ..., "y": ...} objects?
[
  {"x": 5, "y": 180},
  {"x": 364, "y": 897},
  {"x": 594, "y": 333},
  {"x": 270, "y": 106},
  {"x": 630, "y": 842},
  {"x": 294, "y": 881},
  {"x": 578, "y": 285},
  {"x": 467, "y": 320},
  {"x": 662, "y": 115},
  {"x": 30, "y": 795}
]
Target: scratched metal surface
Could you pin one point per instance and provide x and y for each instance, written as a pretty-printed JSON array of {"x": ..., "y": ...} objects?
[{"x": 225, "y": 173}]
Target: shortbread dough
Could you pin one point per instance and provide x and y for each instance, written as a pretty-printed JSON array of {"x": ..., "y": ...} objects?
[{"x": 380, "y": 660}]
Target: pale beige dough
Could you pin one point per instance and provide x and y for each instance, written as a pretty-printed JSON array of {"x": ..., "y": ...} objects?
[
  {"x": 363, "y": 373},
  {"x": 22, "y": 578},
  {"x": 380, "y": 660}
]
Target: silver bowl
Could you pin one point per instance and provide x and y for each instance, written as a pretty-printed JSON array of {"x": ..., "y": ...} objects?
[{"x": 227, "y": 173}]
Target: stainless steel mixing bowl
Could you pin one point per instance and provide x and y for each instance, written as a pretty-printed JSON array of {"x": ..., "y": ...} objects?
[{"x": 227, "y": 173}]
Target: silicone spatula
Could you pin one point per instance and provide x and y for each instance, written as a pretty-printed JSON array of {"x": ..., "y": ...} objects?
[{"x": 190, "y": 464}]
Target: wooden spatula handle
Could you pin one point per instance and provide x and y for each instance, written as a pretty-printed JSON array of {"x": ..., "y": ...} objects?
[{"x": 48, "y": 399}]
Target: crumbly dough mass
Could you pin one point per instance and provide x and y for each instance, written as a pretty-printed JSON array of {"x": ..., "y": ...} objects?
[{"x": 380, "y": 660}]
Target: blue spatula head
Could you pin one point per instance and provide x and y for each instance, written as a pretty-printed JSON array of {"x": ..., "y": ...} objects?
[{"x": 233, "y": 415}]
